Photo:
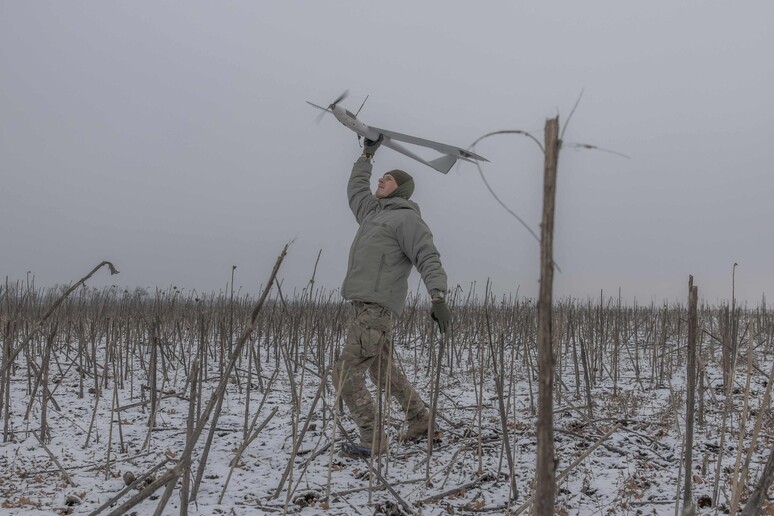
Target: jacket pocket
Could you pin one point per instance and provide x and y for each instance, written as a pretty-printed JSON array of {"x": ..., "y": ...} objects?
[{"x": 379, "y": 274}]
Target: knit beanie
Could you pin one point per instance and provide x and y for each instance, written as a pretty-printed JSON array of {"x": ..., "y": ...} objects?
[{"x": 405, "y": 184}]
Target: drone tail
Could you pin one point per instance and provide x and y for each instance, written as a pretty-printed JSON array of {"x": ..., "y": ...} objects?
[{"x": 444, "y": 163}]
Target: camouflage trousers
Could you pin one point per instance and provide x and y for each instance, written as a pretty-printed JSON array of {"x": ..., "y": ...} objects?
[{"x": 368, "y": 348}]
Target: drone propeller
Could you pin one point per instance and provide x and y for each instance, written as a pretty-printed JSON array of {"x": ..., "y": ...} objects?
[
  {"x": 315, "y": 105},
  {"x": 330, "y": 107},
  {"x": 322, "y": 109},
  {"x": 341, "y": 97}
]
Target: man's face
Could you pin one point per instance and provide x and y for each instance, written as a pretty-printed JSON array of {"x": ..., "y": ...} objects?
[{"x": 387, "y": 185}]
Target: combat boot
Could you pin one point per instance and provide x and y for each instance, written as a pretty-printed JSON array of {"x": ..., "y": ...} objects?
[
  {"x": 357, "y": 451},
  {"x": 416, "y": 428},
  {"x": 363, "y": 448}
]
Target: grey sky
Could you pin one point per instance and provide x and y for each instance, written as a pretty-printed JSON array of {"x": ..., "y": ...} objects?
[{"x": 173, "y": 139}]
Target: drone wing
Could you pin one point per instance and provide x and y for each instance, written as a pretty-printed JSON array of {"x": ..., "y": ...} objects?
[{"x": 440, "y": 147}]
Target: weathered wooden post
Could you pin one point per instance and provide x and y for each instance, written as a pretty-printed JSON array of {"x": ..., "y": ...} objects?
[
  {"x": 690, "y": 403},
  {"x": 545, "y": 471}
]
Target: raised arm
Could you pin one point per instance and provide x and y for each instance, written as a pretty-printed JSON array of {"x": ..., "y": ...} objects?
[{"x": 361, "y": 200}]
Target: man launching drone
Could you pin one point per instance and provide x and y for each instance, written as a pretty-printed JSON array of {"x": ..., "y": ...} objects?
[{"x": 392, "y": 238}]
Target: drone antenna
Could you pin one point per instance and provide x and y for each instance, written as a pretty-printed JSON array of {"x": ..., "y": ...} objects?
[{"x": 361, "y": 106}]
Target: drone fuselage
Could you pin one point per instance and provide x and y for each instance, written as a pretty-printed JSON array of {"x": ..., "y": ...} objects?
[{"x": 350, "y": 121}]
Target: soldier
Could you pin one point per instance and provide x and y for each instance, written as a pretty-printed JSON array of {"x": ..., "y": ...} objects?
[{"x": 391, "y": 239}]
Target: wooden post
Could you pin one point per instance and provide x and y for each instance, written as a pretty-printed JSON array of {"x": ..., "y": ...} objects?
[
  {"x": 690, "y": 403},
  {"x": 545, "y": 471}
]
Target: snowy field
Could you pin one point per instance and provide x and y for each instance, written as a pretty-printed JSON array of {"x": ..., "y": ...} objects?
[{"x": 100, "y": 442}]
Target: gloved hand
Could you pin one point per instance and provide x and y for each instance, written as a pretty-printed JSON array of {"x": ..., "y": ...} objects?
[
  {"x": 370, "y": 146},
  {"x": 441, "y": 314}
]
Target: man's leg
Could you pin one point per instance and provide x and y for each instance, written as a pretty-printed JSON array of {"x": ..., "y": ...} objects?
[
  {"x": 383, "y": 369},
  {"x": 360, "y": 349}
]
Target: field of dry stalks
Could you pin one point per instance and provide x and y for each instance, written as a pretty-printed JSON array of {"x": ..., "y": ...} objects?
[{"x": 130, "y": 402}]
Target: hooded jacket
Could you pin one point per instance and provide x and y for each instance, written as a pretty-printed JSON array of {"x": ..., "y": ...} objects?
[{"x": 392, "y": 237}]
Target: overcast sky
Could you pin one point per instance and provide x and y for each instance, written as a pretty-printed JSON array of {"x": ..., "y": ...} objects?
[{"x": 172, "y": 138}]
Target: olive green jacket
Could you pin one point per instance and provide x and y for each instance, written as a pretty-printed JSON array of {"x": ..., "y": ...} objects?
[{"x": 392, "y": 237}]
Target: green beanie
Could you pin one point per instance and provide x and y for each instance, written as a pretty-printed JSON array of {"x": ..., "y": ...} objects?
[{"x": 405, "y": 184}]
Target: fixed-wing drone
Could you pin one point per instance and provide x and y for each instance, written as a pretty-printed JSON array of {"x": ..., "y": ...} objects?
[{"x": 443, "y": 164}]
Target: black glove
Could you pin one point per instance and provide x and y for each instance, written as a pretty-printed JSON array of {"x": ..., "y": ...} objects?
[
  {"x": 440, "y": 313},
  {"x": 370, "y": 146}
]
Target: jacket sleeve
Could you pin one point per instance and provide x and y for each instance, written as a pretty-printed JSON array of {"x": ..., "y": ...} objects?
[
  {"x": 361, "y": 200},
  {"x": 416, "y": 240}
]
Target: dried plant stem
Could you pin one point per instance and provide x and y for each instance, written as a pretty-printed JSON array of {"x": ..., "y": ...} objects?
[
  {"x": 114, "y": 412},
  {"x": 184, "y": 488},
  {"x": 727, "y": 406},
  {"x": 679, "y": 480},
  {"x": 39, "y": 325},
  {"x": 138, "y": 481},
  {"x": 377, "y": 487},
  {"x": 242, "y": 448},
  {"x": 434, "y": 404},
  {"x": 459, "y": 489},
  {"x": 171, "y": 476},
  {"x": 45, "y": 434},
  {"x": 110, "y": 429},
  {"x": 53, "y": 458},
  {"x": 737, "y": 486},
  {"x": 93, "y": 419},
  {"x": 249, "y": 388},
  {"x": 765, "y": 401},
  {"x": 336, "y": 405},
  {"x": 206, "y": 451},
  {"x": 152, "y": 381},
  {"x": 299, "y": 439},
  {"x": 217, "y": 396},
  {"x": 586, "y": 379},
  {"x": 480, "y": 409},
  {"x": 498, "y": 378},
  {"x": 490, "y": 358},
  {"x": 5, "y": 387}
]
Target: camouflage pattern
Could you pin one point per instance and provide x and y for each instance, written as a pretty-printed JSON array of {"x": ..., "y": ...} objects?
[{"x": 368, "y": 348}]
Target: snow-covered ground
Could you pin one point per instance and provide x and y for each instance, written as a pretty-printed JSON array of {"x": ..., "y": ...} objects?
[{"x": 634, "y": 471}]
